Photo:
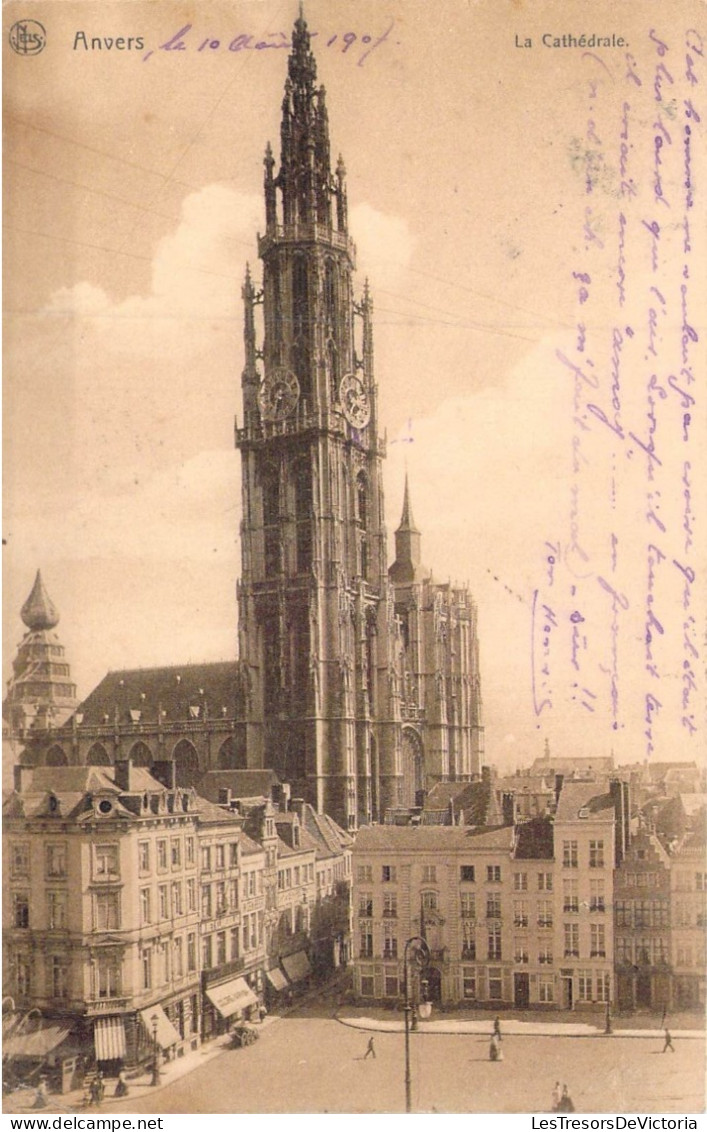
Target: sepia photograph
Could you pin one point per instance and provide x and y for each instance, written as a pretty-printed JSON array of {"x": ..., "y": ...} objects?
[{"x": 354, "y": 604}]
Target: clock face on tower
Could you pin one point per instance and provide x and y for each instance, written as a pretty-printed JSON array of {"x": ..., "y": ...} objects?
[
  {"x": 354, "y": 401},
  {"x": 278, "y": 395}
]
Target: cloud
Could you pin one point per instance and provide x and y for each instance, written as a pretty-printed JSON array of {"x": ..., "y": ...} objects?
[{"x": 384, "y": 245}]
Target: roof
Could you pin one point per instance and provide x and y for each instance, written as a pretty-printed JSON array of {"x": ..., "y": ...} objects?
[
  {"x": 576, "y": 796},
  {"x": 526, "y": 784},
  {"x": 432, "y": 838},
  {"x": 597, "y": 764},
  {"x": 211, "y": 814},
  {"x": 476, "y": 800},
  {"x": 535, "y": 840},
  {"x": 173, "y": 690},
  {"x": 73, "y": 786},
  {"x": 241, "y": 783}
]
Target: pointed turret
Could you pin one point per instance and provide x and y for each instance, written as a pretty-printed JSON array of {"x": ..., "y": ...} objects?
[
  {"x": 39, "y": 611},
  {"x": 40, "y": 693},
  {"x": 408, "y": 563}
]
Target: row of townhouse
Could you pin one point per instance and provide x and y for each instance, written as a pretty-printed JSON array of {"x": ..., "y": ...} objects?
[
  {"x": 513, "y": 915},
  {"x": 139, "y": 914}
]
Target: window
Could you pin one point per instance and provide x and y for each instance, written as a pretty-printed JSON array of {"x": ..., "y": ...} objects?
[
  {"x": 390, "y": 941},
  {"x": 176, "y": 852},
  {"x": 20, "y": 909},
  {"x": 569, "y": 855},
  {"x": 520, "y": 950},
  {"x": 59, "y": 977},
  {"x": 390, "y": 984},
  {"x": 106, "y": 861},
  {"x": 161, "y": 854},
  {"x": 520, "y": 882},
  {"x": 468, "y": 905},
  {"x": 367, "y": 986},
  {"x": 365, "y": 939},
  {"x": 177, "y": 908},
  {"x": 107, "y": 911},
  {"x": 429, "y": 874},
  {"x": 206, "y": 901},
  {"x": 234, "y": 934},
  {"x": 233, "y": 891},
  {"x": 545, "y": 913},
  {"x": 468, "y": 940},
  {"x": 251, "y": 883},
  {"x": 598, "y": 942},
  {"x": 56, "y": 860},
  {"x": 390, "y": 905},
  {"x": 147, "y": 968},
  {"x": 469, "y": 982},
  {"x": 570, "y": 892},
  {"x": 233, "y": 854},
  {"x": 520, "y": 913},
  {"x": 207, "y": 952},
  {"x": 493, "y": 906},
  {"x": 191, "y": 895},
  {"x": 388, "y": 874},
  {"x": 596, "y": 854},
  {"x": 19, "y": 859},
  {"x": 162, "y": 896},
  {"x": 178, "y": 963},
  {"x": 701, "y": 882},
  {"x": 495, "y": 983},
  {"x": 220, "y": 948},
  {"x": 623, "y": 950},
  {"x": 189, "y": 850},
  {"x": 220, "y": 855},
  {"x": 191, "y": 951},
  {"x": 56, "y": 910},
  {"x": 494, "y": 941},
  {"x": 623, "y": 911},
  {"x": 596, "y": 896},
  {"x": 572, "y": 940},
  {"x": 23, "y": 975},
  {"x": 364, "y": 874},
  {"x": 545, "y": 954},
  {"x": 143, "y": 856},
  {"x": 466, "y": 874},
  {"x": 584, "y": 986},
  {"x": 221, "y": 898},
  {"x": 493, "y": 874},
  {"x": 429, "y": 901},
  {"x": 145, "y": 910},
  {"x": 544, "y": 882},
  {"x": 108, "y": 982},
  {"x": 546, "y": 989},
  {"x": 603, "y": 983},
  {"x": 206, "y": 858}
]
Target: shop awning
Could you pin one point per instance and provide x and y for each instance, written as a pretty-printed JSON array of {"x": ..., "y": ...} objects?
[
  {"x": 37, "y": 1043},
  {"x": 276, "y": 979},
  {"x": 167, "y": 1035},
  {"x": 109, "y": 1038},
  {"x": 230, "y": 997},
  {"x": 297, "y": 966}
]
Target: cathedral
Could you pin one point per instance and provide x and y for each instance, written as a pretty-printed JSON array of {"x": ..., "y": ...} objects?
[{"x": 356, "y": 682}]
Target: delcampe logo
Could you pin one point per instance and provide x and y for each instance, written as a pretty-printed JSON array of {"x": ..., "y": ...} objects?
[{"x": 27, "y": 37}]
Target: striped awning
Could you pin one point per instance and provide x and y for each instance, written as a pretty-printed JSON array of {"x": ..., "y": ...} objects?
[
  {"x": 297, "y": 966},
  {"x": 37, "y": 1043},
  {"x": 156, "y": 1022},
  {"x": 231, "y": 996},
  {"x": 109, "y": 1038},
  {"x": 276, "y": 979}
]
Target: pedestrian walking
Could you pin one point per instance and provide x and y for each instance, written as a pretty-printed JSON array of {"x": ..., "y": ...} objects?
[
  {"x": 497, "y": 1028},
  {"x": 668, "y": 1041},
  {"x": 370, "y": 1048},
  {"x": 565, "y": 1104},
  {"x": 40, "y": 1098},
  {"x": 495, "y": 1051},
  {"x": 121, "y": 1088},
  {"x": 556, "y": 1096}
]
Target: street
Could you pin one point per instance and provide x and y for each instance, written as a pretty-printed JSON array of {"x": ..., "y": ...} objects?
[{"x": 315, "y": 1064}]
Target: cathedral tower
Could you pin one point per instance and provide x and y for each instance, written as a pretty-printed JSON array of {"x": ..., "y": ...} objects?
[{"x": 313, "y": 541}]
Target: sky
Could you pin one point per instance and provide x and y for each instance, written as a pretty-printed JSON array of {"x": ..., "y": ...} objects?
[{"x": 487, "y": 184}]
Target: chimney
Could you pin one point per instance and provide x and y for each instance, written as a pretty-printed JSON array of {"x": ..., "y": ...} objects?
[
  {"x": 297, "y": 807},
  {"x": 121, "y": 773},
  {"x": 22, "y": 776},
  {"x": 508, "y": 809},
  {"x": 165, "y": 771},
  {"x": 559, "y": 779}
]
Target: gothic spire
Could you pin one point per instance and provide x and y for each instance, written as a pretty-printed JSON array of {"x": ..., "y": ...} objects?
[
  {"x": 408, "y": 559},
  {"x": 39, "y": 611},
  {"x": 407, "y": 523}
]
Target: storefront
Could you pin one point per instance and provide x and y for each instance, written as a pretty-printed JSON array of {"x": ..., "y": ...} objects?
[{"x": 227, "y": 1002}]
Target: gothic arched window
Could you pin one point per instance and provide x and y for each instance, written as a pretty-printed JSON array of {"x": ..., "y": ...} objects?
[
  {"x": 271, "y": 520},
  {"x": 303, "y": 512},
  {"x": 187, "y": 763},
  {"x": 300, "y": 324}
]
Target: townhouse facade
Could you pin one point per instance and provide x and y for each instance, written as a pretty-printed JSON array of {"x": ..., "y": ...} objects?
[
  {"x": 137, "y": 914},
  {"x": 688, "y": 891},
  {"x": 642, "y": 924}
]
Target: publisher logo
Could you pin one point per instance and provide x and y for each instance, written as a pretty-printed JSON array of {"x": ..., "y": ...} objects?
[{"x": 27, "y": 37}]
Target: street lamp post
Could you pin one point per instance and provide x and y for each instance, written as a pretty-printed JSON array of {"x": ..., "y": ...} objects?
[
  {"x": 155, "y": 1052},
  {"x": 421, "y": 955},
  {"x": 607, "y": 1026}
]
